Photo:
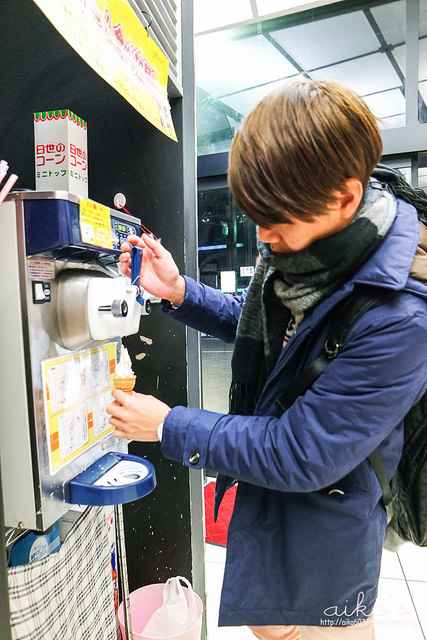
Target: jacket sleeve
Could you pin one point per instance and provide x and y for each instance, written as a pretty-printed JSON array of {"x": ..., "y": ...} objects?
[
  {"x": 209, "y": 310},
  {"x": 352, "y": 407}
]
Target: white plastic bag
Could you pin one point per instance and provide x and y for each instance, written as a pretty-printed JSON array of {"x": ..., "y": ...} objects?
[{"x": 178, "y": 612}]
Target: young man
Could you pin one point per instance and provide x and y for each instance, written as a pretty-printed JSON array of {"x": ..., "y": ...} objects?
[{"x": 305, "y": 540}]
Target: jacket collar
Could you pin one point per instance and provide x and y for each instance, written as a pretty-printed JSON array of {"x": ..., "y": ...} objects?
[{"x": 390, "y": 265}]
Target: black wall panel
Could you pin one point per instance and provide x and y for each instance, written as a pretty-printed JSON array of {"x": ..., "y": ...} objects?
[{"x": 40, "y": 71}]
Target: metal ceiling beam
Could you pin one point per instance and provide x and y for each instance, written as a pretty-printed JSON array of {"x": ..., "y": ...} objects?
[{"x": 411, "y": 72}]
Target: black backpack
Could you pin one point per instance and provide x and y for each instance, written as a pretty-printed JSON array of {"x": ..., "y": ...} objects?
[
  {"x": 394, "y": 181},
  {"x": 405, "y": 496}
]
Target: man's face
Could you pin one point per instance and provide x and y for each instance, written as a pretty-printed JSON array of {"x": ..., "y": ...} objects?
[{"x": 296, "y": 235}]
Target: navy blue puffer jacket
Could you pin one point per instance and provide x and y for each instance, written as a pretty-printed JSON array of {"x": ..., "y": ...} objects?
[{"x": 299, "y": 552}]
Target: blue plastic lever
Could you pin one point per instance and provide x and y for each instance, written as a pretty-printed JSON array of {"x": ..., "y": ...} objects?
[{"x": 135, "y": 270}]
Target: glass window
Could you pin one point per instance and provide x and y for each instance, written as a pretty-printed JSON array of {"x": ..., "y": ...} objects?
[
  {"x": 422, "y": 63},
  {"x": 402, "y": 164},
  {"x": 227, "y": 243},
  {"x": 227, "y": 239},
  {"x": 422, "y": 171}
]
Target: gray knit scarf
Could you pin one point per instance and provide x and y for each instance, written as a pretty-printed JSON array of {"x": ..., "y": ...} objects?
[{"x": 286, "y": 285}]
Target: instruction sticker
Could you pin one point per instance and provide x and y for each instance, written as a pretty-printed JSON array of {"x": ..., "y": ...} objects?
[
  {"x": 76, "y": 391},
  {"x": 95, "y": 224}
]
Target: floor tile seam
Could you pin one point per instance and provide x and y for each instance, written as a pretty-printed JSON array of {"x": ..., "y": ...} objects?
[{"x": 412, "y": 598}]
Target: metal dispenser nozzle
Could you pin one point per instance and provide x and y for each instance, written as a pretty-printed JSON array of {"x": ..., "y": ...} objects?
[{"x": 119, "y": 308}]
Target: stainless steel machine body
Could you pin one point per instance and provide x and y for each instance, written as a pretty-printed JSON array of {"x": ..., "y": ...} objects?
[{"x": 64, "y": 310}]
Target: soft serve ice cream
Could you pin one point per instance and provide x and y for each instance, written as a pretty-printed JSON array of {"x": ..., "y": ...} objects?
[{"x": 124, "y": 377}]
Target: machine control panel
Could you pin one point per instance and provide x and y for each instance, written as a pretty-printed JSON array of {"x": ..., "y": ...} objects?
[{"x": 121, "y": 230}]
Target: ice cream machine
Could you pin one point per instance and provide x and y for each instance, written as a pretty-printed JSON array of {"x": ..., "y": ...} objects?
[{"x": 65, "y": 309}]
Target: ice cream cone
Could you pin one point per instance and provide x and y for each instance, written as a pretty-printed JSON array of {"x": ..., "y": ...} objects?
[{"x": 125, "y": 384}]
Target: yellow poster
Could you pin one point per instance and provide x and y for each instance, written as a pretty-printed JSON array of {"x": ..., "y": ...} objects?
[
  {"x": 110, "y": 38},
  {"x": 76, "y": 392}
]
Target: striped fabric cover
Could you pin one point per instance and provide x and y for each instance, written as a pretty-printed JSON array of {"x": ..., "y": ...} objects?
[{"x": 68, "y": 594}]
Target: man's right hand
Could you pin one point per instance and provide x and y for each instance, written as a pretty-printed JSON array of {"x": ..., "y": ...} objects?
[{"x": 159, "y": 274}]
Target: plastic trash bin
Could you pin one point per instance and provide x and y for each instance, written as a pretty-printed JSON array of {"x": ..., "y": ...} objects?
[{"x": 143, "y": 603}]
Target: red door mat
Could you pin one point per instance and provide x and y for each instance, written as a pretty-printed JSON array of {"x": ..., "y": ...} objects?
[{"x": 216, "y": 532}]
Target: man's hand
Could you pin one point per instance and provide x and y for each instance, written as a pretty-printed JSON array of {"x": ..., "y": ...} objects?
[
  {"x": 159, "y": 273},
  {"x": 136, "y": 416}
]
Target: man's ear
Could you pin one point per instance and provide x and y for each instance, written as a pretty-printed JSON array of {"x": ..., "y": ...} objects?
[{"x": 348, "y": 200}]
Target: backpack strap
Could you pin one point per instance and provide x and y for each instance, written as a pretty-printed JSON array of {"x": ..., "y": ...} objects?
[
  {"x": 352, "y": 309},
  {"x": 381, "y": 473}
]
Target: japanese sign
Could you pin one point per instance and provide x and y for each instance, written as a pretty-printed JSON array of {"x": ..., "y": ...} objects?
[
  {"x": 60, "y": 139},
  {"x": 76, "y": 391},
  {"x": 110, "y": 38}
]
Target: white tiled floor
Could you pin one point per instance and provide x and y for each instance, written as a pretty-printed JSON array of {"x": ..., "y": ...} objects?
[{"x": 400, "y": 611}]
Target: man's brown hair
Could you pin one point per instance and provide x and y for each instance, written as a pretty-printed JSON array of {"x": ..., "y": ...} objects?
[{"x": 297, "y": 146}]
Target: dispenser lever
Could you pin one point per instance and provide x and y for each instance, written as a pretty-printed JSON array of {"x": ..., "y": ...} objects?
[
  {"x": 119, "y": 308},
  {"x": 135, "y": 270}
]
